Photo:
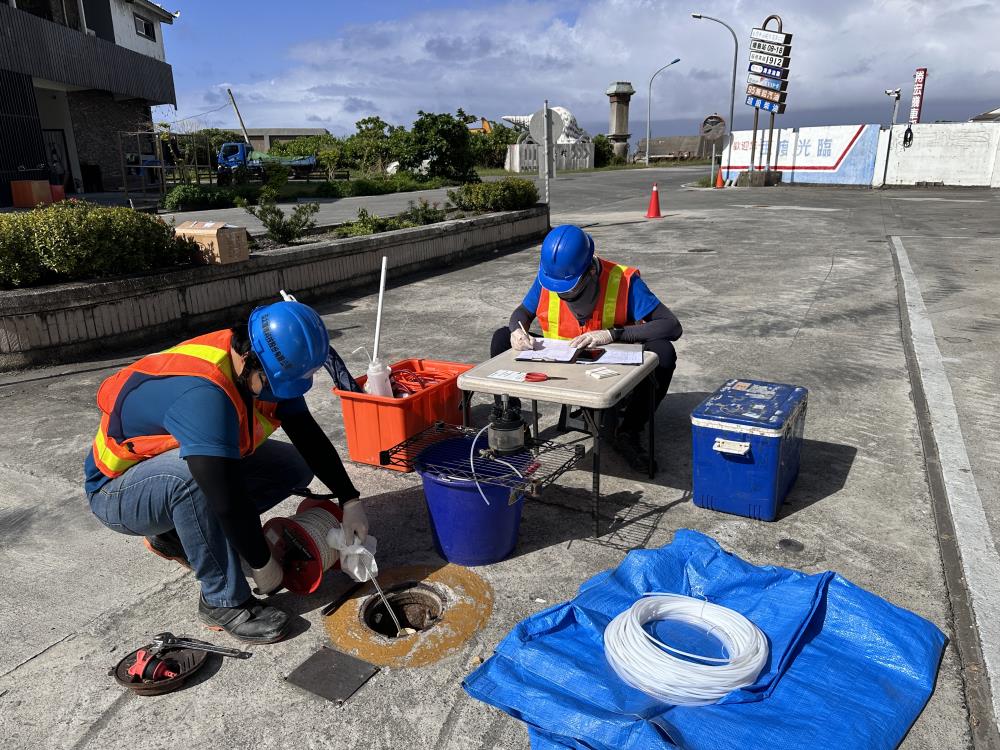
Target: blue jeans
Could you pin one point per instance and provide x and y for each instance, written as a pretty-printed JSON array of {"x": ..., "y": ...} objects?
[{"x": 160, "y": 494}]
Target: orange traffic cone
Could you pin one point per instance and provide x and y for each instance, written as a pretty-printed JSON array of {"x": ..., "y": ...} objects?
[
  {"x": 654, "y": 205},
  {"x": 718, "y": 180}
]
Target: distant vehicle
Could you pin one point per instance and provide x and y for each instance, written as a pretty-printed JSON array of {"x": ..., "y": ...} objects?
[{"x": 234, "y": 155}]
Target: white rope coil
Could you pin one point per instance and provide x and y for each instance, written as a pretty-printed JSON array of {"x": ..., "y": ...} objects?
[
  {"x": 317, "y": 522},
  {"x": 656, "y": 669}
]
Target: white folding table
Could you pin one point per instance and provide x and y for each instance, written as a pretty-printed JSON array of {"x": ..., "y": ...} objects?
[{"x": 568, "y": 385}]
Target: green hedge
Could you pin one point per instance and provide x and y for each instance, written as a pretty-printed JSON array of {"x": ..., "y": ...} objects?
[
  {"x": 205, "y": 197},
  {"x": 78, "y": 240},
  {"x": 507, "y": 194}
]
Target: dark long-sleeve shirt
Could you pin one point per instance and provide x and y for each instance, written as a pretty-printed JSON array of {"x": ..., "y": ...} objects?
[
  {"x": 222, "y": 483},
  {"x": 661, "y": 323}
]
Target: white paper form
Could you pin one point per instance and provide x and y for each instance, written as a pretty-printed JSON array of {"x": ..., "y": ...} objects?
[
  {"x": 548, "y": 350},
  {"x": 621, "y": 354}
]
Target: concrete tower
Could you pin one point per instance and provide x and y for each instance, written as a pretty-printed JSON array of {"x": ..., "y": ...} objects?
[{"x": 620, "y": 93}]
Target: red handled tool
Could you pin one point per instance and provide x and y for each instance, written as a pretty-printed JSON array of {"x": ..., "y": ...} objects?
[{"x": 149, "y": 666}]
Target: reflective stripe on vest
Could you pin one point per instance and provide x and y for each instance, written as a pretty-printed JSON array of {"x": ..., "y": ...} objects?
[
  {"x": 205, "y": 357},
  {"x": 610, "y": 310}
]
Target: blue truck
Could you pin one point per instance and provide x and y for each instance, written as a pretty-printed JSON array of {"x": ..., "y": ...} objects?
[{"x": 232, "y": 156}]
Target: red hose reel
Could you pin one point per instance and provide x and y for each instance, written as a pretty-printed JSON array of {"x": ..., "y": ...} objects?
[{"x": 299, "y": 544}]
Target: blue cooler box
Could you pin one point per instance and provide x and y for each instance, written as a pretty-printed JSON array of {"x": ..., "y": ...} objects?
[{"x": 746, "y": 439}]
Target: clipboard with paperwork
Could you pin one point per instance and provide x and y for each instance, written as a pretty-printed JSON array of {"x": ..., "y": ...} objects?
[{"x": 549, "y": 350}]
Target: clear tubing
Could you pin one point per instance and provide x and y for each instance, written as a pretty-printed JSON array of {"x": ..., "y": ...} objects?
[{"x": 655, "y": 668}]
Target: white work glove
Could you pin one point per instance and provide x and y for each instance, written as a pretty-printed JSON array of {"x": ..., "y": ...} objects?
[
  {"x": 592, "y": 339},
  {"x": 268, "y": 578},
  {"x": 520, "y": 341},
  {"x": 355, "y": 522}
]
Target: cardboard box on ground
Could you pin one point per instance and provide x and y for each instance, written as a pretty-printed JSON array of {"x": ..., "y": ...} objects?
[{"x": 219, "y": 242}]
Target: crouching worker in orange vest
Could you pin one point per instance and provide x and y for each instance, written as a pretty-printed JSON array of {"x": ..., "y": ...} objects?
[
  {"x": 182, "y": 457},
  {"x": 591, "y": 302}
]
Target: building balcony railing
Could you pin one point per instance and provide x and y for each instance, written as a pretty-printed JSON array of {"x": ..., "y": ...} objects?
[{"x": 44, "y": 49}]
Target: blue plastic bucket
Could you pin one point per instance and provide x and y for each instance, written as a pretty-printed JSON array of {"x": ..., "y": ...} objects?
[{"x": 466, "y": 530}]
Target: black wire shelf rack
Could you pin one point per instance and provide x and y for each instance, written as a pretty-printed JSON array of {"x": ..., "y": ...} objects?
[{"x": 527, "y": 471}]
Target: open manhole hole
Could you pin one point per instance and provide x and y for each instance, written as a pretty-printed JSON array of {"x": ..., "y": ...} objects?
[{"x": 417, "y": 607}]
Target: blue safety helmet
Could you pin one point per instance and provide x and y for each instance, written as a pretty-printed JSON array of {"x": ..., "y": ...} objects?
[
  {"x": 566, "y": 255},
  {"x": 291, "y": 342}
]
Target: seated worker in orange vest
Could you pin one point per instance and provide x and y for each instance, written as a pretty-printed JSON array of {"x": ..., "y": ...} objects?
[
  {"x": 182, "y": 457},
  {"x": 592, "y": 302}
]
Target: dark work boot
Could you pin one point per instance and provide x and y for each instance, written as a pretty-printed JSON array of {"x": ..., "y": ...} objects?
[
  {"x": 631, "y": 447},
  {"x": 252, "y": 621},
  {"x": 168, "y": 546}
]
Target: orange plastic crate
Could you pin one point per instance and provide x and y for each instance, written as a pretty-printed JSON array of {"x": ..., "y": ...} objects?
[{"x": 377, "y": 423}]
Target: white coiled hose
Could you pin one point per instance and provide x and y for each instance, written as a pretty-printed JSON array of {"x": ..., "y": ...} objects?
[
  {"x": 655, "y": 668},
  {"x": 317, "y": 522}
]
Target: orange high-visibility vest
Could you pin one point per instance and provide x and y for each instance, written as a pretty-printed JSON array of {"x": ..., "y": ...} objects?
[
  {"x": 611, "y": 310},
  {"x": 203, "y": 357}
]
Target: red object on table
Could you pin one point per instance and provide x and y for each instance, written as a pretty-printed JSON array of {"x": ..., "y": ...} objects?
[{"x": 535, "y": 377}]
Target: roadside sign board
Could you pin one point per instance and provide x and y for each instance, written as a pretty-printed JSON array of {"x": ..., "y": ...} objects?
[
  {"x": 917, "y": 99},
  {"x": 768, "y": 70},
  {"x": 765, "y": 105},
  {"x": 769, "y": 48},
  {"x": 762, "y": 93},
  {"x": 768, "y": 83},
  {"x": 775, "y": 37},
  {"x": 767, "y": 73},
  {"x": 775, "y": 61}
]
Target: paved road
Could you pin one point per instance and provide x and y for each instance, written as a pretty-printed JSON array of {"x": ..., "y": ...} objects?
[{"x": 795, "y": 285}]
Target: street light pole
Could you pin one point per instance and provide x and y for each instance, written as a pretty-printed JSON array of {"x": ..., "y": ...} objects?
[
  {"x": 649, "y": 99},
  {"x": 732, "y": 95}
]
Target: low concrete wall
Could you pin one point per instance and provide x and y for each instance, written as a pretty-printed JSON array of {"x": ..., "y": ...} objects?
[
  {"x": 952, "y": 153},
  {"x": 837, "y": 155},
  {"x": 61, "y": 323}
]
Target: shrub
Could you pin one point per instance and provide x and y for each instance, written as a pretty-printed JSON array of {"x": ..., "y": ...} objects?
[
  {"x": 331, "y": 190},
  {"x": 368, "y": 223},
  {"x": 197, "y": 198},
  {"x": 508, "y": 194},
  {"x": 281, "y": 228},
  {"x": 74, "y": 240},
  {"x": 603, "y": 151},
  {"x": 422, "y": 213}
]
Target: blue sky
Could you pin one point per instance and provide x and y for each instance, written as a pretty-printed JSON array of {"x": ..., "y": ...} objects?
[{"x": 315, "y": 63}]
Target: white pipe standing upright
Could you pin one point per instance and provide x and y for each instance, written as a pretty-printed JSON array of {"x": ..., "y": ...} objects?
[{"x": 378, "y": 317}]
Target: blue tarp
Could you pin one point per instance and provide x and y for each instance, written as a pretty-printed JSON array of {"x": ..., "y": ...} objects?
[{"x": 846, "y": 668}]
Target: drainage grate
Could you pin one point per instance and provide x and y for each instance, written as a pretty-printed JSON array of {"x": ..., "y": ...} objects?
[{"x": 416, "y": 607}]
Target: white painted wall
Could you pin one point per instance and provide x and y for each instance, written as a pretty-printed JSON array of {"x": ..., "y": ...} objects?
[
  {"x": 961, "y": 153},
  {"x": 53, "y": 112},
  {"x": 122, "y": 16}
]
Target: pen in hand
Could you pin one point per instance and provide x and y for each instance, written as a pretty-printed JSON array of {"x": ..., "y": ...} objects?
[{"x": 521, "y": 325}]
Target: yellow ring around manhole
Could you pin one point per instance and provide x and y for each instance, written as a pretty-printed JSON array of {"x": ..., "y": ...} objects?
[{"x": 468, "y": 603}]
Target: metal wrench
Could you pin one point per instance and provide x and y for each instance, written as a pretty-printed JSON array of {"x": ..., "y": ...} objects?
[{"x": 163, "y": 641}]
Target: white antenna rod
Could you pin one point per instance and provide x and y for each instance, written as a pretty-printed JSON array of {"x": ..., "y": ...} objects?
[{"x": 378, "y": 318}]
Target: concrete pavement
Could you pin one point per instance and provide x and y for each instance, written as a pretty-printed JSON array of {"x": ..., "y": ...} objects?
[{"x": 795, "y": 285}]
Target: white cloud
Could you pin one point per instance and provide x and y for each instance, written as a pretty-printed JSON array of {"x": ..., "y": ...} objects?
[{"x": 506, "y": 57}]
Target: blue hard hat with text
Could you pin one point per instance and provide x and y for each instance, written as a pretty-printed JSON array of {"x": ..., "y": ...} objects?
[
  {"x": 566, "y": 255},
  {"x": 291, "y": 343}
]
